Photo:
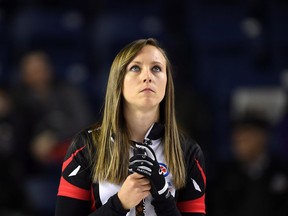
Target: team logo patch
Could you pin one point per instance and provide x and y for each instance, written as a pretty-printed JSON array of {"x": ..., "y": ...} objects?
[{"x": 164, "y": 169}]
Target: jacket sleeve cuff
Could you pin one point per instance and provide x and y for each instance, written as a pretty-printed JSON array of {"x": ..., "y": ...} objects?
[
  {"x": 116, "y": 205},
  {"x": 166, "y": 207}
]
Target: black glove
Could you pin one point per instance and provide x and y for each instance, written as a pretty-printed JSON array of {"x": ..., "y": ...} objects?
[{"x": 145, "y": 163}]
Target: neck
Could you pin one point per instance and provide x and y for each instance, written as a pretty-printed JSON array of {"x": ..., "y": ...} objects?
[{"x": 138, "y": 122}]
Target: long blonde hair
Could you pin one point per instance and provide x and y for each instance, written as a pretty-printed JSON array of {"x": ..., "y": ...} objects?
[{"x": 112, "y": 141}]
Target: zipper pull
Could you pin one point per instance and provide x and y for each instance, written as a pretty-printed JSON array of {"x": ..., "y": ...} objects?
[{"x": 147, "y": 141}]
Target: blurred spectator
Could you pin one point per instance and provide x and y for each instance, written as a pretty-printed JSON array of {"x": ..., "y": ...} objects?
[
  {"x": 253, "y": 182},
  {"x": 12, "y": 200},
  {"x": 48, "y": 112}
]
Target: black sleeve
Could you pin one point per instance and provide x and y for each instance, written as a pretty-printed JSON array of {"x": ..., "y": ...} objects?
[
  {"x": 112, "y": 207},
  {"x": 169, "y": 208},
  {"x": 69, "y": 206},
  {"x": 191, "y": 198},
  {"x": 75, "y": 207},
  {"x": 166, "y": 207}
]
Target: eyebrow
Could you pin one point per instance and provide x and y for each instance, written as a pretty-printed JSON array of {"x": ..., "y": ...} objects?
[{"x": 153, "y": 62}]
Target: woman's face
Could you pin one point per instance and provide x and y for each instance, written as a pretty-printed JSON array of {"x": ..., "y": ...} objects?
[{"x": 145, "y": 79}]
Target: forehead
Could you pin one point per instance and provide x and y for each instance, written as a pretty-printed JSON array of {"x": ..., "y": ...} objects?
[{"x": 152, "y": 53}]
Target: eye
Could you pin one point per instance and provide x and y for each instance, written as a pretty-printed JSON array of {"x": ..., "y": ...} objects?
[
  {"x": 156, "y": 69},
  {"x": 135, "y": 68}
]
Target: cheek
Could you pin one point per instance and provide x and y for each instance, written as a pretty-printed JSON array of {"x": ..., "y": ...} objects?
[
  {"x": 163, "y": 85},
  {"x": 127, "y": 84}
]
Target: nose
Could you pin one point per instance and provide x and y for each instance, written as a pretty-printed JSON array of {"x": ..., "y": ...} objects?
[
  {"x": 147, "y": 80},
  {"x": 147, "y": 76}
]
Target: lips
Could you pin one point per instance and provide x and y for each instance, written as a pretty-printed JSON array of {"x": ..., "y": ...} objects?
[{"x": 147, "y": 90}]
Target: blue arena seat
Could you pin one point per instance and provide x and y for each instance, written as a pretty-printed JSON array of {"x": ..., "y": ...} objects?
[{"x": 47, "y": 27}]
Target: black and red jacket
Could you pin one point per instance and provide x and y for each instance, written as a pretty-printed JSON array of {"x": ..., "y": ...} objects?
[{"x": 79, "y": 196}]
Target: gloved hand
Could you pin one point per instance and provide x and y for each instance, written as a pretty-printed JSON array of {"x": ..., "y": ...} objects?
[{"x": 145, "y": 163}]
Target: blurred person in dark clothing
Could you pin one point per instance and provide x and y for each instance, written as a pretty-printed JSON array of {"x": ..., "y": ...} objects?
[
  {"x": 253, "y": 182},
  {"x": 48, "y": 112}
]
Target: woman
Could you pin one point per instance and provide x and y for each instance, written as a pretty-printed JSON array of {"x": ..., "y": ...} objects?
[{"x": 135, "y": 161}]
